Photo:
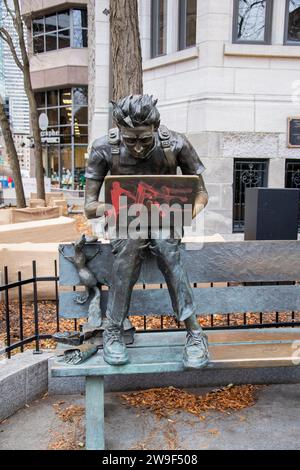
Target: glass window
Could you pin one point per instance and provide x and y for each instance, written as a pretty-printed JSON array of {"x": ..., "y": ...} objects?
[
  {"x": 187, "y": 23},
  {"x": 51, "y": 42},
  {"x": 81, "y": 115},
  {"x": 80, "y": 18},
  {"x": 51, "y": 23},
  {"x": 64, "y": 39},
  {"x": 66, "y": 116},
  {"x": 80, "y": 157},
  {"x": 65, "y": 97},
  {"x": 53, "y": 32},
  {"x": 292, "y": 29},
  {"x": 252, "y": 21},
  {"x": 53, "y": 116},
  {"x": 63, "y": 20},
  {"x": 53, "y": 164},
  {"x": 39, "y": 44},
  {"x": 38, "y": 26},
  {"x": 80, "y": 38},
  {"x": 66, "y": 167},
  {"x": 81, "y": 135},
  {"x": 67, "y": 111},
  {"x": 65, "y": 134},
  {"x": 40, "y": 100},
  {"x": 52, "y": 98},
  {"x": 158, "y": 27},
  {"x": 79, "y": 167},
  {"x": 80, "y": 96}
]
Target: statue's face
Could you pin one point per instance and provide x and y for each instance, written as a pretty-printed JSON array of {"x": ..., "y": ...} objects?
[{"x": 139, "y": 140}]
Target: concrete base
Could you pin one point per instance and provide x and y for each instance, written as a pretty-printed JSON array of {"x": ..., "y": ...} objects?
[
  {"x": 60, "y": 229},
  {"x": 23, "y": 378}
]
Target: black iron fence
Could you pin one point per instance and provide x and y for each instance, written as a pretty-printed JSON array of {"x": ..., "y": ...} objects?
[
  {"x": 6, "y": 303},
  {"x": 15, "y": 322}
]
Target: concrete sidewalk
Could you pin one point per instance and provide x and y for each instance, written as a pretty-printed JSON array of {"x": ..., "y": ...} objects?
[{"x": 272, "y": 423}]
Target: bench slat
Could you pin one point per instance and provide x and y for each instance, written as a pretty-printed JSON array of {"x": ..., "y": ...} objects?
[
  {"x": 221, "y": 300},
  {"x": 168, "y": 358},
  {"x": 254, "y": 261}
]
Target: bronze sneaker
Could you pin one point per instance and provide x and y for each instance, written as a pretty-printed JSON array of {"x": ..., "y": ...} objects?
[
  {"x": 114, "y": 348},
  {"x": 195, "y": 354}
]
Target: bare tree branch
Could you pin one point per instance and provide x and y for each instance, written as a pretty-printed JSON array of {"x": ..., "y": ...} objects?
[
  {"x": 18, "y": 23},
  {"x": 4, "y": 34},
  {"x": 9, "y": 10},
  {"x": 24, "y": 65}
]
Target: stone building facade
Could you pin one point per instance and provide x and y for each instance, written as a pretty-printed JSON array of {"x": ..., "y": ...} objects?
[
  {"x": 231, "y": 97},
  {"x": 226, "y": 77}
]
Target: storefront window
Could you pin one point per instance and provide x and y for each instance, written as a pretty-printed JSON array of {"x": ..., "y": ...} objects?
[
  {"x": 60, "y": 30},
  {"x": 80, "y": 96},
  {"x": 53, "y": 117},
  {"x": 53, "y": 165},
  {"x": 79, "y": 170},
  {"x": 66, "y": 138},
  {"x": 66, "y": 167},
  {"x": 80, "y": 115},
  {"x": 52, "y": 99}
]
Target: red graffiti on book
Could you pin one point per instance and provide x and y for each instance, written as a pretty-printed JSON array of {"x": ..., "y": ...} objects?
[{"x": 148, "y": 195}]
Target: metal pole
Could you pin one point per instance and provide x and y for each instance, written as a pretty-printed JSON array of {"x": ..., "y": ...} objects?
[
  {"x": 36, "y": 313},
  {"x": 56, "y": 296},
  {"x": 21, "y": 310},
  {"x": 7, "y": 319}
]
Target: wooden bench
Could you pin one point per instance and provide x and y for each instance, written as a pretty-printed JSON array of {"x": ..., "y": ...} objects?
[{"x": 239, "y": 263}]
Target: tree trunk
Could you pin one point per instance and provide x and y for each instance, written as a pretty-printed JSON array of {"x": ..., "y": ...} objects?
[
  {"x": 12, "y": 157},
  {"x": 34, "y": 119},
  {"x": 126, "y": 55}
]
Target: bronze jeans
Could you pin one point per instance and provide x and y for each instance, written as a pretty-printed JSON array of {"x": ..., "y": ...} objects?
[{"x": 129, "y": 256}]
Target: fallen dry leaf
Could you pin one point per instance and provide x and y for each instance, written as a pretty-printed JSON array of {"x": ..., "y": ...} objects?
[
  {"x": 165, "y": 401},
  {"x": 213, "y": 432},
  {"x": 69, "y": 413}
]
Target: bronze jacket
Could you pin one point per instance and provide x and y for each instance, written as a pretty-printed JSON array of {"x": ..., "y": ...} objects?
[{"x": 102, "y": 160}]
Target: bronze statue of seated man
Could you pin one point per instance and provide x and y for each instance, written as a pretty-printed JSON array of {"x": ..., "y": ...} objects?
[{"x": 140, "y": 146}]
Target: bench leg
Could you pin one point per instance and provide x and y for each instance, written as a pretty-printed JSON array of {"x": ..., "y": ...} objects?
[{"x": 94, "y": 413}]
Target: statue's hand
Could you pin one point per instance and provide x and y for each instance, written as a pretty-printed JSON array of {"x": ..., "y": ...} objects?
[
  {"x": 201, "y": 201},
  {"x": 197, "y": 209}
]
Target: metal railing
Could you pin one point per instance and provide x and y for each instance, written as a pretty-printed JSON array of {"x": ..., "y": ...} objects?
[
  {"x": 6, "y": 304},
  {"x": 7, "y": 324}
]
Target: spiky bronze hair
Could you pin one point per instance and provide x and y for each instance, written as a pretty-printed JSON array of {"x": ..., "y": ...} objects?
[{"x": 136, "y": 110}]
